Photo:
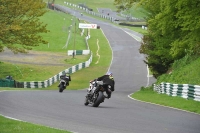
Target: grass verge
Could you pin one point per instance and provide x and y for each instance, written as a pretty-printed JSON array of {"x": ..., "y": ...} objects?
[
  {"x": 148, "y": 95},
  {"x": 184, "y": 71},
  {"x": 13, "y": 126},
  {"x": 81, "y": 78}
]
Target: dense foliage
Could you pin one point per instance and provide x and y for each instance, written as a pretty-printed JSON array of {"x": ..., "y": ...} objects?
[
  {"x": 173, "y": 30},
  {"x": 20, "y": 26}
]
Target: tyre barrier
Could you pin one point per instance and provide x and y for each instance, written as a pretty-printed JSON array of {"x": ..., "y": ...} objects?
[
  {"x": 56, "y": 78},
  {"x": 186, "y": 91},
  {"x": 78, "y": 52}
]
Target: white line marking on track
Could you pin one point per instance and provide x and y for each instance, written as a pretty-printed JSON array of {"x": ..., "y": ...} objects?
[
  {"x": 160, "y": 105},
  {"x": 147, "y": 76},
  {"x": 134, "y": 36}
]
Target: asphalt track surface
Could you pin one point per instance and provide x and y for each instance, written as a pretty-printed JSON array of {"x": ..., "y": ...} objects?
[{"x": 120, "y": 114}]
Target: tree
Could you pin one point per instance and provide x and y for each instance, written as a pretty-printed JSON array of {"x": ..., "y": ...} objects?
[
  {"x": 188, "y": 20},
  {"x": 161, "y": 33},
  {"x": 124, "y": 4},
  {"x": 20, "y": 25},
  {"x": 173, "y": 32},
  {"x": 151, "y": 6}
]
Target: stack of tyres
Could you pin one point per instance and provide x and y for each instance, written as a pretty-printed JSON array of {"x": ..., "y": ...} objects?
[{"x": 19, "y": 84}]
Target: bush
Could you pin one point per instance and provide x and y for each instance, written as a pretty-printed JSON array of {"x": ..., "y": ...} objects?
[{"x": 184, "y": 71}]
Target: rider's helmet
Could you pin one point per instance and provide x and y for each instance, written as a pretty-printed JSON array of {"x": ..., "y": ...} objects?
[{"x": 109, "y": 73}]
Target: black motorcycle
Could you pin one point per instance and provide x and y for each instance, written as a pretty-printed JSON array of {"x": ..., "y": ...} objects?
[
  {"x": 64, "y": 82},
  {"x": 95, "y": 93}
]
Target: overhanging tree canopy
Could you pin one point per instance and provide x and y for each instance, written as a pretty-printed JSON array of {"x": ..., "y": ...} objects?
[
  {"x": 20, "y": 26},
  {"x": 173, "y": 31}
]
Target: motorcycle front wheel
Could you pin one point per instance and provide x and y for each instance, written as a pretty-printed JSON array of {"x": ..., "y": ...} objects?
[
  {"x": 61, "y": 88},
  {"x": 86, "y": 101},
  {"x": 98, "y": 100}
]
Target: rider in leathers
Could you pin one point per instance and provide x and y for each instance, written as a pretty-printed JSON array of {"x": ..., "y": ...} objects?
[
  {"x": 66, "y": 77},
  {"x": 109, "y": 80}
]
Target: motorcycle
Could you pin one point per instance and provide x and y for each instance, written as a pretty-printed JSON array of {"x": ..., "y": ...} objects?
[
  {"x": 64, "y": 82},
  {"x": 95, "y": 93}
]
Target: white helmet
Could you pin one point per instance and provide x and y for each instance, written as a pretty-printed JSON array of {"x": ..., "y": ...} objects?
[{"x": 109, "y": 73}]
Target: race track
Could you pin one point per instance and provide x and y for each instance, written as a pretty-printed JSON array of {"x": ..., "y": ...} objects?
[{"x": 120, "y": 114}]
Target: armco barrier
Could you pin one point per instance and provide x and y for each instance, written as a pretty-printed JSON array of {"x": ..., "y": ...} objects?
[
  {"x": 56, "y": 78},
  {"x": 183, "y": 90},
  {"x": 62, "y": 8},
  {"x": 78, "y": 52}
]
